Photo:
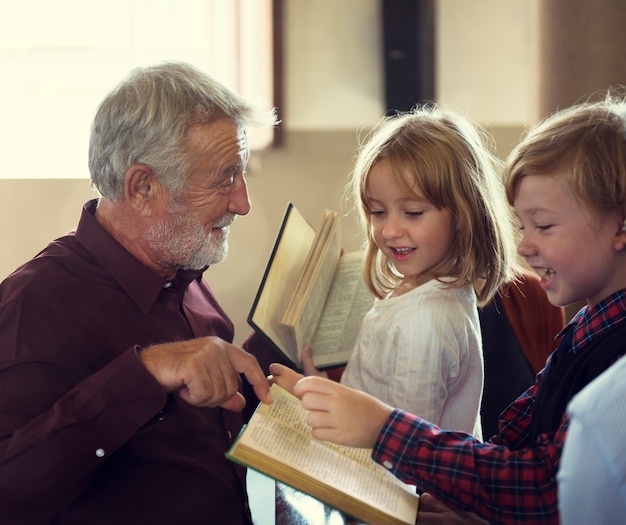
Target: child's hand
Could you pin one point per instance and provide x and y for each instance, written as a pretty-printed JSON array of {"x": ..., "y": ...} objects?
[
  {"x": 307, "y": 364},
  {"x": 283, "y": 376},
  {"x": 341, "y": 414},
  {"x": 433, "y": 512}
]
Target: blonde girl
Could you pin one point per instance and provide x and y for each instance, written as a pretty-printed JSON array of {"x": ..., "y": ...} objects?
[{"x": 439, "y": 242}]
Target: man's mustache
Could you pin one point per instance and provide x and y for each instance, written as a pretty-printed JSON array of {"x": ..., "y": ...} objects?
[{"x": 226, "y": 221}]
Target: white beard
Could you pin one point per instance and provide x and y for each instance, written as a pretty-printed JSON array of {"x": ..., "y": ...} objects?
[{"x": 182, "y": 243}]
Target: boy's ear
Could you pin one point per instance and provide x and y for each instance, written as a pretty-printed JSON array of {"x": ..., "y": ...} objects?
[
  {"x": 142, "y": 189},
  {"x": 620, "y": 237}
]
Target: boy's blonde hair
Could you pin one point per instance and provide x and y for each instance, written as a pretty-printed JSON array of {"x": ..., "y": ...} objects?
[
  {"x": 449, "y": 160},
  {"x": 589, "y": 141}
]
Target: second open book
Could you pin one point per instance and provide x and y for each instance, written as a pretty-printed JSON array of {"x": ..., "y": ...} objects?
[{"x": 311, "y": 293}]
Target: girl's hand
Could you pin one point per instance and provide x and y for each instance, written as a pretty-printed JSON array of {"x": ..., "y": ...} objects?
[
  {"x": 307, "y": 364},
  {"x": 341, "y": 414}
]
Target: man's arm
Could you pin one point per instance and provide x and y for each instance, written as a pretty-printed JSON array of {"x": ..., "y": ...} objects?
[{"x": 50, "y": 458}]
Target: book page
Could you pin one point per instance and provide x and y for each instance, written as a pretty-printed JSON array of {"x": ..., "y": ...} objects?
[
  {"x": 316, "y": 275},
  {"x": 307, "y": 301},
  {"x": 279, "y": 431},
  {"x": 311, "y": 310},
  {"x": 347, "y": 303}
]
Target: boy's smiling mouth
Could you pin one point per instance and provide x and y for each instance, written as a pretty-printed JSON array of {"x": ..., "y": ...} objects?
[{"x": 544, "y": 273}]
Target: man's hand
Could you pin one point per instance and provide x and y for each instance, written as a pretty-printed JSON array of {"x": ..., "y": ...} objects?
[{"x": 205, "y": 372}]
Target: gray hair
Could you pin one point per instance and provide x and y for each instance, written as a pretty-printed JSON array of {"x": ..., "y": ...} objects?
[{"x": 143, "y": 120}]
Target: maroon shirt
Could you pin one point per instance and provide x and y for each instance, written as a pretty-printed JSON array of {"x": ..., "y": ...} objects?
[{"x": 87, "y": 435}]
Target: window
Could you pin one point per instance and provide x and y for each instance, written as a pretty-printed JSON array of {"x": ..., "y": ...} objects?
[{"x": 61, "y": 58}]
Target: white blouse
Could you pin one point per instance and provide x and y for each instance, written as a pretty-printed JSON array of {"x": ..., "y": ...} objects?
[{"x": 422, "y": 352}]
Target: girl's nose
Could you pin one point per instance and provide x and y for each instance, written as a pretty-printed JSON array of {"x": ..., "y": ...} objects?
[{"x": 392, "y": 228}]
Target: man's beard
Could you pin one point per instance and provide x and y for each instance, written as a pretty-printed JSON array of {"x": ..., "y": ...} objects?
[{"x": 181, "y": 242}]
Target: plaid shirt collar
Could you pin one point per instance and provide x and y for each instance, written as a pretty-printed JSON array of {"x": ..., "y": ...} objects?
[{"x": 589, "y": 323}]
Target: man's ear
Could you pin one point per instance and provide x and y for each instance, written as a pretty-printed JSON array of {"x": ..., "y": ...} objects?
[{"x": 142, "y": 189}]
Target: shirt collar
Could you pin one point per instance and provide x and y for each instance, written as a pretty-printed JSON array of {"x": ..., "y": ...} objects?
[
  {"x": 141, "y": 283},
  {"x": 589, "y": 323}
]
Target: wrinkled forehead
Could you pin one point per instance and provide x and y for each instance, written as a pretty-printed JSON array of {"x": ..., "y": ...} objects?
[{"x": 222, "y": 137}]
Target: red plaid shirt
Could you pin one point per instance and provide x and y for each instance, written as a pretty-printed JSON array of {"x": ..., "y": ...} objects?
[{"x": 508, "y": 479}]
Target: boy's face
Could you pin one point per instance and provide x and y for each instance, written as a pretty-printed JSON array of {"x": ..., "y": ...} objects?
[{"x": 578, "y": 253}]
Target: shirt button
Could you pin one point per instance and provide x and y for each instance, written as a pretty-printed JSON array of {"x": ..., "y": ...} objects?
[
  {"x": 167, "y": 284},
  {"x": 388, "y": 465},
  {"x": 100, "y": 452}
]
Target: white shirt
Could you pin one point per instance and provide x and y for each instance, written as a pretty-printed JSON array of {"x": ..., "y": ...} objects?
[
  {"x": 421, "y": 352},
  {"x": 592, "y": 474}
]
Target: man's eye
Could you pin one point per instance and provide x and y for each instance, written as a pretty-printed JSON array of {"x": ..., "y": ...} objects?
[{"x": 228, "y": 183}]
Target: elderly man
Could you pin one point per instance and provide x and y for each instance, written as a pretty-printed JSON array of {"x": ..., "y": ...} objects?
[{"x": 118, "y": 382}]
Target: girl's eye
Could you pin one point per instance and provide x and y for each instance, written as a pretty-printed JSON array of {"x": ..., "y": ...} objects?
[
  {"x": 543, "y": 227},
  {"x": 377, "y": 213},
  {"x": 414, "y": 213}
]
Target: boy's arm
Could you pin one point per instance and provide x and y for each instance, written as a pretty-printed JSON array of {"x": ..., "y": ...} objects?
[
  {"x": 284, "y": 376},
  {"x": 495, "y": 481}
]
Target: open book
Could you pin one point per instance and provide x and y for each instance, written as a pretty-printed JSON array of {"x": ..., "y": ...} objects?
[
  {"x": 310, "y": 293},
  {"x": 278, "y": 442}
]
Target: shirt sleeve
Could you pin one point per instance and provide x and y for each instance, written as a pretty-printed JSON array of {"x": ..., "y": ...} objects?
[
  {"x": 500, "y": 483},
  {"x": 592, "y": 473},
  {"x": 583, "y": 461},
  {"x": 50, "y": 458}
]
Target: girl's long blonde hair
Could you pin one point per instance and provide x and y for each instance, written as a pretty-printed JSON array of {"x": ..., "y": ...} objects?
[{"x": 451, "y": 162}]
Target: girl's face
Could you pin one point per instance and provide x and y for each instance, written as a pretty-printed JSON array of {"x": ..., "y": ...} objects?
[
  {"x": 578, "y": 253},
  {"x": 412, "y": 233}
]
